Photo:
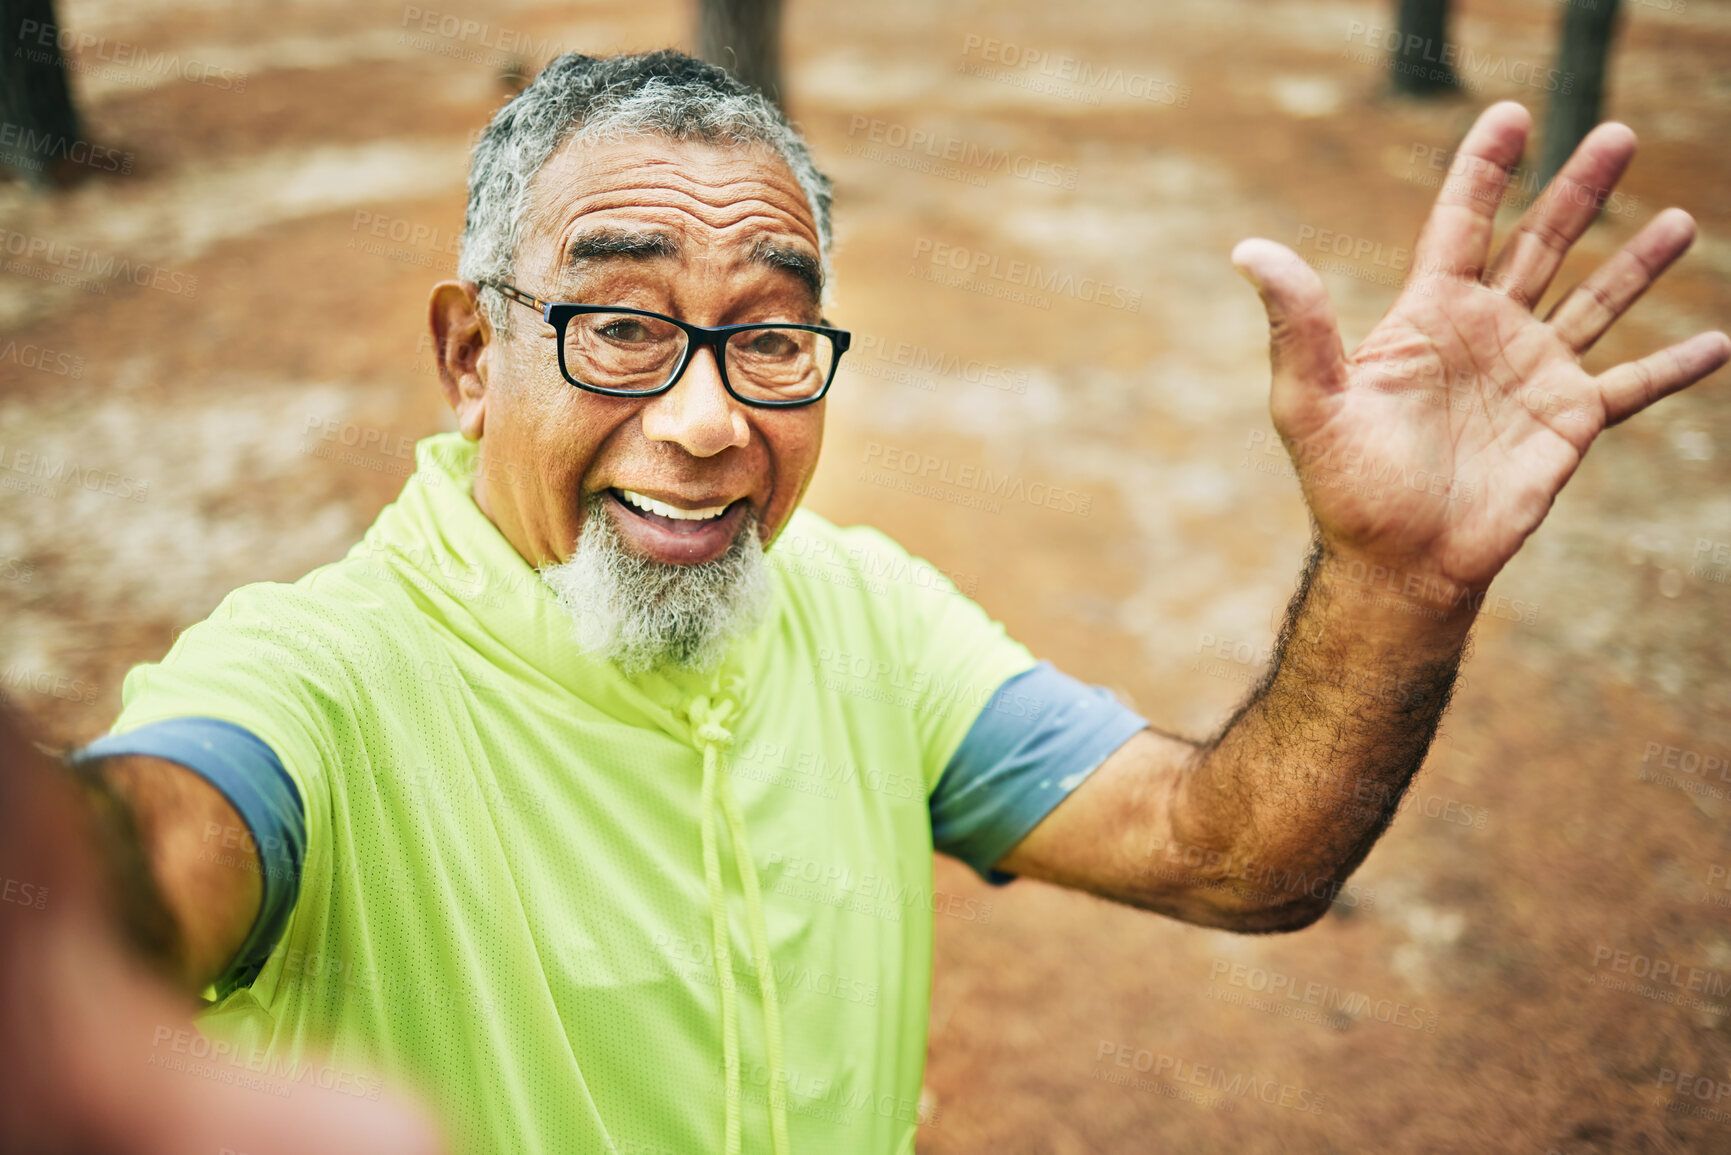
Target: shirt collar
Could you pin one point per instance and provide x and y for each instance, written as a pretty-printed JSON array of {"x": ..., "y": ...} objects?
[{"x": 473, "y": 579}]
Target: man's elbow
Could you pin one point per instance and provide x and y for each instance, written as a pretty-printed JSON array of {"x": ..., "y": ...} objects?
[
  {"x": 1279, "y": 918},
  {"x": 1221, "y": 907}
]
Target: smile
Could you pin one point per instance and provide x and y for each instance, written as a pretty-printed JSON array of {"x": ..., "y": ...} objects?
[
  {"x": 650, "y": 505},
  {"x": 664, "y": 532}
]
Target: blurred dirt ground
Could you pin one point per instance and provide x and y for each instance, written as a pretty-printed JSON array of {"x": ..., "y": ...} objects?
[{"x": 227, "y": 401}]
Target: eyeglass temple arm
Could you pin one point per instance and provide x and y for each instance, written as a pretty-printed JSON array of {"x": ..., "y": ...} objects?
[{"x": 518, "y": 295}]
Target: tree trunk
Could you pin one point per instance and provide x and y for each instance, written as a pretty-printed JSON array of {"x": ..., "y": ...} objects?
[
  {"x": 38, "y": 124},
  {"x": 1419, "y": 68},
  {"x": 1588, "y": 27},
  {"x": 744, "y": 37}
]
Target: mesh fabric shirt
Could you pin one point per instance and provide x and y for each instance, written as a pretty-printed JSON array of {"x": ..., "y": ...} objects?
[{"x": 506, "y": 899}]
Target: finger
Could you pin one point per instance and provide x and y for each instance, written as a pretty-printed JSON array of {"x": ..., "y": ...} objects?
[
  {"x": 1554, "y": 222},
  {"x": 1303, "y": 333},
  {"x": 1588, "y": 309},
  {"x": 1634, "y": 385},
  {"x": 1457, "y": 236}
]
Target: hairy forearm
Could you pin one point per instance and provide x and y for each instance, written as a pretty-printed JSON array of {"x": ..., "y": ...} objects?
[{"x": 1297, "y": 786}]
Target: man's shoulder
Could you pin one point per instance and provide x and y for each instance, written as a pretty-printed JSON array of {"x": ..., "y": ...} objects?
[{"x": 333, "y": 611}]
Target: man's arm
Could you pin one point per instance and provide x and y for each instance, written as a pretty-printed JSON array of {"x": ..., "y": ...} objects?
[
  {"x": 1427, "y": 456},
  {"x": 94, "y": 1038},
  {"x": 188, "y": 898},
  {"x": 1258, "y": 828}
]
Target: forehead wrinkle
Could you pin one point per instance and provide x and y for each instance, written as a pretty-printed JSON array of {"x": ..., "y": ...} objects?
[
  {"x": 664, "y": 186},
  {"x": 659, "y": 207},
  {"x": 722, "y": 215},
  {"x": 676, "y": 171},
  {"x": 593, "y": 175}
]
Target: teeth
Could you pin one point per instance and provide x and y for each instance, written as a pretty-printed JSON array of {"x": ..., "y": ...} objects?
[{"x": 650, "y": 505}]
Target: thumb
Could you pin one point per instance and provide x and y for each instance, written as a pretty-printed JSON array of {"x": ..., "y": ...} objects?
[{"x": 1303, "y": 334}]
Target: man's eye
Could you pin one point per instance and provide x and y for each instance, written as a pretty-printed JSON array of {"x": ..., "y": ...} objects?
[
  {"x": 769, "y": 343},
  {"x": 625, "y": 329}
]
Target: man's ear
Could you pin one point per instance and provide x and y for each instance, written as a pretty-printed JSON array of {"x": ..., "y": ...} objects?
[{"x": 461, "y": 340}]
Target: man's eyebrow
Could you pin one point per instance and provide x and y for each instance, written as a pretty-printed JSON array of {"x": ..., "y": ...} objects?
[
  {"x": 612, "y": 244},
  {"x": 796, "y": 261},
  {"x": 605, "y": 244}
]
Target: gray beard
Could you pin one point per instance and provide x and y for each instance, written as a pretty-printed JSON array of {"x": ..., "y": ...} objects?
[{"x": 642, "y": 614}]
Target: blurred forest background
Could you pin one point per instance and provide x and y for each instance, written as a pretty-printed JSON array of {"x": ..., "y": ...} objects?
[{"x": 213, "y": 363}]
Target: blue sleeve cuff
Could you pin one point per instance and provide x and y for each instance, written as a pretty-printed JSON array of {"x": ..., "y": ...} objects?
[
  {"x": 1037, "y": 739},
  {"x": 252, "y": 778}
]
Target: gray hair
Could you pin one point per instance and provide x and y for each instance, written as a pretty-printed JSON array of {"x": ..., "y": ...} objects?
[
  {"x": 643, "y": 614},
  {"x": 665, "y": 93}
]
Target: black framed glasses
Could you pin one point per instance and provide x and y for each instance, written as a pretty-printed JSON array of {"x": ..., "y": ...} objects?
[{"x": 622, "y": 352}]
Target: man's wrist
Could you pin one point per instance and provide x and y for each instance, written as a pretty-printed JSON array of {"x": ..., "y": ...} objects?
[{"x": 1399, "y": 589}]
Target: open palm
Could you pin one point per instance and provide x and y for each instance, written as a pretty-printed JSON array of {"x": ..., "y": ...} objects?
[{"x": 1439, "y": 443}]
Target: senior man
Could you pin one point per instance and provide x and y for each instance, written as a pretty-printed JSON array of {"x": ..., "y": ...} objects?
[{"x": 508, "y": 803}]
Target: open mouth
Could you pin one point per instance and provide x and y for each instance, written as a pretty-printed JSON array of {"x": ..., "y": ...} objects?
[
  {"x": 647, "y": 506},
  {"x": 671, "y": 533}
]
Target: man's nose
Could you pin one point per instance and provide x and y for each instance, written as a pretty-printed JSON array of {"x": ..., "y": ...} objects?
[{"x": 698, "y": 414}]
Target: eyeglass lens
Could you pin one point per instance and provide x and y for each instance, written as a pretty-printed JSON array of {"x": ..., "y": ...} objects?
[{"x": 632, "y": 353}]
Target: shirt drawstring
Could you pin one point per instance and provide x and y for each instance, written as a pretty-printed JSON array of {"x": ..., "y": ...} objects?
[{"x": 708, "y": 714}]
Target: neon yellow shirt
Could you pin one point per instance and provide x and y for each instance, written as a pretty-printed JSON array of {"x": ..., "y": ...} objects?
[{"x": 505, "y": 902}]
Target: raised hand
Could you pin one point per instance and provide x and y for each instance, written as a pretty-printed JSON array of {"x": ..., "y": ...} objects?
[{"x": 1439, "y": 444}]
